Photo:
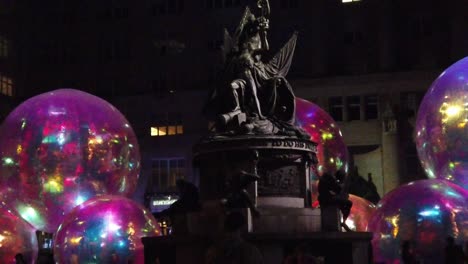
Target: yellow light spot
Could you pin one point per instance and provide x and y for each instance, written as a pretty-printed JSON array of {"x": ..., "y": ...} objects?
[
  {"x": 54, "y": 185},
  {"x": 75, "y": 240},
  {"x": 19, "y": 149}
]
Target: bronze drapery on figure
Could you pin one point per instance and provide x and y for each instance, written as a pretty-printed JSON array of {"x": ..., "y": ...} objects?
[{"x": 253, "y": 96}]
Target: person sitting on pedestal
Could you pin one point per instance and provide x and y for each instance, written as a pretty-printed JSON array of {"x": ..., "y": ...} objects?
[
  {"x": 238, "y": 196},
  {"x": 330, "y": 194}
]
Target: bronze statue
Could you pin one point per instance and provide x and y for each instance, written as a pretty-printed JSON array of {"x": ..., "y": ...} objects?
[{"x": 253, "y": 95}]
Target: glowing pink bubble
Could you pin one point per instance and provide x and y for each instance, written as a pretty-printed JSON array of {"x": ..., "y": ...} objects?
[
  {"x": 16, "y": 236},
  {"x": 59, "y": 149},
  {"x": 441, "y": 126},
  {"x": 424, "y": 212},
  {"x": 104, "y": 226},
  {"x": 332, "y": 153},
  {"x": 361, "y": 213}
]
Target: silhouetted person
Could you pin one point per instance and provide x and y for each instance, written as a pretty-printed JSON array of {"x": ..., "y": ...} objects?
[
  {"x": 238, "y": 196},
  {"x": 407, "y": 253},
  {"x": 232, "y": 249},
  {"x": 189, "y": 200},
  {"x": 19, "y": 259},
  {"x": 330, "y": 194},
  {"x": 453, "y": 252}
]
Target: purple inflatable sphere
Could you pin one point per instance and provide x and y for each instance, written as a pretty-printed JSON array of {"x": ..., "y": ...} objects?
[
  {"x": 442, "y": 126},
  {"x": 59, "y": 149},
  {"x": 16, "y": 236},
  {"x": 104, "y": 229},
  {"x": 332, "y": 152},
  {"x": 422, "y": 212}
]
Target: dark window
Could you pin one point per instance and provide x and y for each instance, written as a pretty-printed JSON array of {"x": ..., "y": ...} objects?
[
  {"x": 371, "y": 107},
  {"x": 354, "y": 107},
  {"x": 336, "y": 108},
  {"x": 165, "y": 173},
  {"x": 4, "y": 43}
]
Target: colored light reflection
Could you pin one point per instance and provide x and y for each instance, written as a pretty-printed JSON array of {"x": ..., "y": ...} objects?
[
  {"x": 16, "y": 236},
  {"x": 424, "y": 212},
  {"x": 61, "y": 148},
  {"x": 104, "y": 226},
  {"x": 441, "y": 132},
  {"x": 361, "y": 213}
]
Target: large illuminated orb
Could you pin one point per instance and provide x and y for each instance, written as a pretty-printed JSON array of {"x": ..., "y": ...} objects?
[
  {"x": 361, "y": 213},
  {"x": 16, "y": 236},
  {"x": 59, "y": 149},
  {"x": 424, "y": 212},
  {"x": 441, "y": 126},
  {"x": 332, "y": 152},
  {"x": 104, "y": 229}
]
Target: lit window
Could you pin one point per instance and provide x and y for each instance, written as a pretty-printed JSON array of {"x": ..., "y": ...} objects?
[
  {"x": 165, "y": 173},
  {"x": 169, "y": 124},
  {"x": 6, "y": 85},
  {"x": 350, "y": 1},
  {"x": 171, "y": 130}
]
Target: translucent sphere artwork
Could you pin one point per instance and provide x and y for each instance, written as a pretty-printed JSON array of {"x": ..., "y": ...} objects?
[
  {"x": 361, "y": 213},
  {"x": 441, "y": 126},
  {"x": 332, "y": 152},
  {"x": 59, "y": 149},
  {"x": 104, "y": 229},
  {"x": 422, "y": 212},
  {"x": 16, "y": 237}
]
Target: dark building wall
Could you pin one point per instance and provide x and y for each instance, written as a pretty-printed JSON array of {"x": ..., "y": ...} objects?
[{"x": 154, "y": 56}]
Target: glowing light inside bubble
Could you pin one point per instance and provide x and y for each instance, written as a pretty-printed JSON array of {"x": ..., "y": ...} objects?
[
  {"x": 79, "y": 200},
  {"x": 430, "y": 212},
  {"x": 451, "y": 110},
  {"x": 54, "y": 185},
  {"x": 8, "y": 161},
  {"x": 19, "y": 149}
]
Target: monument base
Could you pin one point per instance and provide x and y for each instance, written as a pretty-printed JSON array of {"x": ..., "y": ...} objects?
[{"x": 331, "y": 247}]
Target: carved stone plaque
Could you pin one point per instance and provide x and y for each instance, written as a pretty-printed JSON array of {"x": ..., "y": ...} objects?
[{"x": 284, "y": 181}]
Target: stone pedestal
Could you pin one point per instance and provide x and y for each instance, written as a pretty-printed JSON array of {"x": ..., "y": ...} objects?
[
  {"x": 283, "y": 164},
  {"x": 330, "y": 218},
  {"x": 282, "y": 197},
  {"x": 331, "y": 247}
]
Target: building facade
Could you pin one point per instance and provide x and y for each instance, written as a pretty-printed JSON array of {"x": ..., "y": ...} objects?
[{"x": 367, "y": 62}]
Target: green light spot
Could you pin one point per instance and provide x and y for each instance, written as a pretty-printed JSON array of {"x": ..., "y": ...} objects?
[{"x": 7, "y": 161}]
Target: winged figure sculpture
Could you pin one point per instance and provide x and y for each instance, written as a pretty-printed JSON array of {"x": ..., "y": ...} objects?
[{"x": 252, "y": 94}]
